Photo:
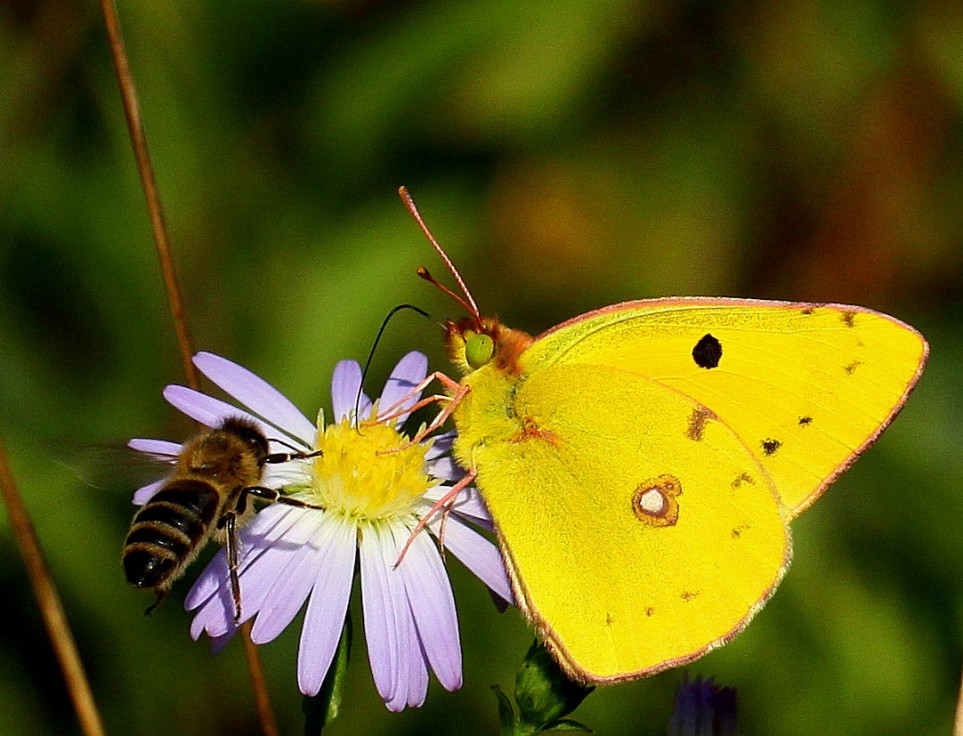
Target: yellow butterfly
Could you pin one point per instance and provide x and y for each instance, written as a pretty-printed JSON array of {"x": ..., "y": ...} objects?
[{"x": 642, "y": 462}]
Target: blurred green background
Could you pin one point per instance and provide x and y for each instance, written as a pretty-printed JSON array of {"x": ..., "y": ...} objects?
[{"x": 569, "y": 155}]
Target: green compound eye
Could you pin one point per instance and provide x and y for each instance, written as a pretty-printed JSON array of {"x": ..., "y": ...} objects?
[{"x": 479, "y": 350}]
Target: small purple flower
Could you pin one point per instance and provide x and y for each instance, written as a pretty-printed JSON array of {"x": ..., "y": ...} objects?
[
  {"x": 703, "y": 708},
  {"x": 372, "y": 501}
]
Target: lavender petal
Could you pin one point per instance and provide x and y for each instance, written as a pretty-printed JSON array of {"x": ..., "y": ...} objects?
[
  {"x": 477, "y": 553},
  {"x": 345, "y": 384},
  {"x": 146, "y": 493},
  {"x": 407, "y": 374},
  {"x": 433, "y": 605},
  {"x": 162, "y": 449},
  {"x": 256, "y": 394},
  {"x": 379, "y": 609},
  {"x": 327, "y": 607}
]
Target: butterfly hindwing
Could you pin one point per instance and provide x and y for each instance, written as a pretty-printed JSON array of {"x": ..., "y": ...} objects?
[{"x": 635, "y": 545}]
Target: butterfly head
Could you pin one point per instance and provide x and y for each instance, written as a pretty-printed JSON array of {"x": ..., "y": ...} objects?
[{"x": 474, "y": 343}]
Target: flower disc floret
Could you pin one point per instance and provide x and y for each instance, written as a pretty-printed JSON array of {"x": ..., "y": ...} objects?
[{"x": 368, "y": 474}]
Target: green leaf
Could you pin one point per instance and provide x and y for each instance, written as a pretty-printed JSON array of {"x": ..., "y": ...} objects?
[
  {"x": 566, "y": 724},
  {"x": 506, "y": 713},
  {"x": 544, "y": 693}
]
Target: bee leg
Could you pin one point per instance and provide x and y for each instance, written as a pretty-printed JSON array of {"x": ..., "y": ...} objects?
[
  {"x": 161, "y": 594},
  {"x": 288, "y": 501},
  {"x": 271, "y": 495},
  {"x": 230, "y": 523},
  {"x": 285, "y": 457}
]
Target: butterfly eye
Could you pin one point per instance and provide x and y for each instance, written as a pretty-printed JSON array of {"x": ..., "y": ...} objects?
[{"x": 479, "y": 350}]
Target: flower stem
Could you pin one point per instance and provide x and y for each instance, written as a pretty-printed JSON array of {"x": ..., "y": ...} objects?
[{"x": 51, "y": 607}]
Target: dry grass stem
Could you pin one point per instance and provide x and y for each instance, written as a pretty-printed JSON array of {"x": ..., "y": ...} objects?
[
  {"x": 146, "y": 171},
  {"x": 51, "y": 608},
  {"x": 138, "y": 140}
]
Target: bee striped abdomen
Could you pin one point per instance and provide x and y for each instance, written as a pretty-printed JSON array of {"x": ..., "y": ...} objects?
[{"x": 167, "y": 531}]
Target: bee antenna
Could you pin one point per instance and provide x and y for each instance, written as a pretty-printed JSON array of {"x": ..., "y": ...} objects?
[
  {"x": 374, "y": 345},
  {"x": 468, "y": 302}
]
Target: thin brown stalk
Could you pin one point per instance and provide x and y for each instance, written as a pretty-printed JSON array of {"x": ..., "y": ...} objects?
[
  {"x": 139, "y": 142},
  {"x": 145, "y": 169},
  {"x": 262, "y": 701},
  {"x": 51, "y": 608},
  {"x": 958, "y": 720}
]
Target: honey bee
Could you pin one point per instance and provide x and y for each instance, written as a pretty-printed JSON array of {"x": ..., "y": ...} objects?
[{"x": 216, "y": 478}]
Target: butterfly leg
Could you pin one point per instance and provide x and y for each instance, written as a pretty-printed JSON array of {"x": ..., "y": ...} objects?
[
  {"x": 446, "y": 502},
  {"x": 451, "y": 402},
  {"x": 446, "y": 512},
  {"x": 399, "y": 407}
]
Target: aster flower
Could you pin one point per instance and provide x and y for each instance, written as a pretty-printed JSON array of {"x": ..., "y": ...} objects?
[{"x": 373, "y": 500}]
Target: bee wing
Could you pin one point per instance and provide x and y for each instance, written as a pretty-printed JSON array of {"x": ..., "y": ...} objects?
[
  {"x": 156, "y": 453},
  {"x": 142, "y": 464}
]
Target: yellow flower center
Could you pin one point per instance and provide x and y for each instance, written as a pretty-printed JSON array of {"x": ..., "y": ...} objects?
[{"x": 356, "y": 478}]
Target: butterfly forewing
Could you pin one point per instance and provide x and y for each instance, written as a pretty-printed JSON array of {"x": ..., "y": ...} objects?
[{"x": 806, "y": 387}]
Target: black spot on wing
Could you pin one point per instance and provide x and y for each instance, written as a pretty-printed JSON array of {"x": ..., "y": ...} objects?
[
  {"x": 769, "y": 446},
  {"x": 805, "y": 421},
  {"x": 852, "y": 366},
  {"x": 707, "y": 352},
  {"x": 848, "y": 318}
]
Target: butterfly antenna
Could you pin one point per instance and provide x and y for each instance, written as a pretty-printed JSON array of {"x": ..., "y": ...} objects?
[
  {"x": 468, "y": 302},
  {"x": 374, "y": 346},
  {"x": 425, "y": 274}
]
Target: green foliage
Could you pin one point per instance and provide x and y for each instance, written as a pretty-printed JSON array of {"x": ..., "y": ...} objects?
[{"x": 543, "y": 695}]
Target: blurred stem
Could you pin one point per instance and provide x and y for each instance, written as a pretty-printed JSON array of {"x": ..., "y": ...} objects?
[
  {"x": 144, "y": 167},
  {"x": 262, "y": 701},
  {"x": 51, "y": 608},
  {"x": 958, "y": 720},
  {"x": 138, "y": 140}
]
